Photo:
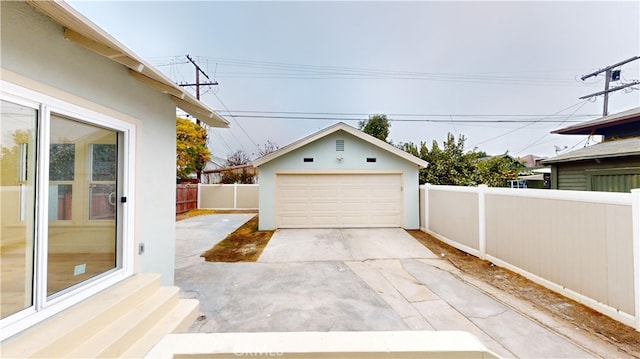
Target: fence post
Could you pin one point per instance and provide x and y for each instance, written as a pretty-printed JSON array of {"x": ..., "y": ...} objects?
[
  {"x": 482, "y": 221},
  {"x": 198, "y": 197},
  {"x": 635, "y": 218},
  {"x": 235, "y": 195},
  {"x": 425, "y": 212}
]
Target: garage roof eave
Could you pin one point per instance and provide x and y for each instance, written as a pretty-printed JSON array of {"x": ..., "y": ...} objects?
[{"x": 340, "y": 126}]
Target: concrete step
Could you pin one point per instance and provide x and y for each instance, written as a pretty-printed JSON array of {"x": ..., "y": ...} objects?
[
  {"x": 56, "y": 335},
  {"x": 126, "y": 320},
  {"x": 178, "y": 320},
  {"x": 125, "y": 330}
]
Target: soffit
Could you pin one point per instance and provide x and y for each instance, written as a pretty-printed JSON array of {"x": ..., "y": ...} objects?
[{"x": 82, "y": 31}]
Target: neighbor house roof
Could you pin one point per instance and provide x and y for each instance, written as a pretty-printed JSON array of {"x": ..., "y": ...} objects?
[
  {"x": 596, "y": 126},
  {"x": 82, "y": 31},
  {"x": 340, "y": 126},
  {"x": 608, "y": 149}
]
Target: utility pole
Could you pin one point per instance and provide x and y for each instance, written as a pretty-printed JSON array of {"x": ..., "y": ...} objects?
[
  {"x": 198, "y": 84},
  {"x": 608, "y": 77}
]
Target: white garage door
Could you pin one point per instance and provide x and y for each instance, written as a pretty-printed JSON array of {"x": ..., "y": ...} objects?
[{"x": 339, "y": 200}]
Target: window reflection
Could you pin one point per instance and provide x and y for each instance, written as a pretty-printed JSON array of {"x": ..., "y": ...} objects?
[
  {"x": 17, "y": 201},
  {"x": 82, "y": 241}
]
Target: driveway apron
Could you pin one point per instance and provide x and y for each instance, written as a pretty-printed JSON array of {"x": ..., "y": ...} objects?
[{"x": 362, "y": 280}]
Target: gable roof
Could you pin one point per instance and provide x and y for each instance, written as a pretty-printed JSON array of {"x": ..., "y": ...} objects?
[
  {"x": 608, "y": 149},
  {"x": 83, "y": 32},
  {"x": 340, "y": 126},
  {"x": 595, "y": 126}
]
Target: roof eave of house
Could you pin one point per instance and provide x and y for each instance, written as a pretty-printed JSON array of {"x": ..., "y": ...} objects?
[
  {"x": 585, "y": 158},
  {"x": 337, "y": 127},
  {"x": 83, "y": 32},
  {"x": 591, "y": 127}
]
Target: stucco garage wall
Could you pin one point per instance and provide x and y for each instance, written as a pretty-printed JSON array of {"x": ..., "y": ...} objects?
[
  {"x": 324, "y": 153},
  {"x": 42, "y": 60}
]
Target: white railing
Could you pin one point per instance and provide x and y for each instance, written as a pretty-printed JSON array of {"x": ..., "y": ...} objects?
[
  {"x": 584, "y": 245},
  {"x": 228, "y": 196}
]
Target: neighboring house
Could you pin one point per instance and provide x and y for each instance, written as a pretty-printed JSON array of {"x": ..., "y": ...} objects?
[
  {"x": 612, "y": 165},
  {"x": 533, "y": 178},
  {"x": 531, "y": 161},
  {"x": 534, "y": 174},
  {"x": 211, "y": 173},
  {"x": 87, "y": 187},
  {"x": 339, "y": 177}
]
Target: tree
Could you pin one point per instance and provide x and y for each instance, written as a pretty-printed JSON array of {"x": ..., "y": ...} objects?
[
  {"x": 192, "y": 153},
  {"x": 237, "y": 158},
  {"x": 449, "y": 165},
  {"x": 376, "y": 126},
  {"x": 496, "y": 171},
  {"x": 237, "y": 175},
  {"x": 267, "y": 148},
  {"x": 452, "y": 165}
]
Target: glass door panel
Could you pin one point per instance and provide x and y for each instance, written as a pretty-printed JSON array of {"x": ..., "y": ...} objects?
[
  {"x": 17, "y": 206},
  {"x": 83, "y": 172}
]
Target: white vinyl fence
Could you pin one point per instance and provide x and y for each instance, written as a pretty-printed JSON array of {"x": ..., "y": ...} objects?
[
  {"x": 228, "y": 196},
  {"x": 584, "y": 245}
]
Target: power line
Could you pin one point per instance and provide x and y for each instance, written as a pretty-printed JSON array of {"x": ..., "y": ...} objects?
[
  {"x": 236, "y": 121},
  {"x": 609, "y": 76},
  {"x": 291, "y": 71},
  {"x": 435, "y": 120},
  {"x": 197, "y": 84},
  {"x": 547, "y": 134},
  {"x": 528, "y": 124},
  {"x": 406, "y": 114}
]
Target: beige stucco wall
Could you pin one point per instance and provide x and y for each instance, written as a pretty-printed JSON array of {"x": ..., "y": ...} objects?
[{"x": 35, "y": 55}]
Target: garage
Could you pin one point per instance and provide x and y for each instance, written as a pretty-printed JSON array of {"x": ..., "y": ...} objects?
[
  {"x": 338, "y": 177},
  {"x": 338, "y": 200}
]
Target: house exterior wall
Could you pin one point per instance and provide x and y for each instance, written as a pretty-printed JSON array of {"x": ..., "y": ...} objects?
[
  {"x": 355, "y": 154},
  {"x": 578, "y": 175},
  {"x": 36, "y": 56}
]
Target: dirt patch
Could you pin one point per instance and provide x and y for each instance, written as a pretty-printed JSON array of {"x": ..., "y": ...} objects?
[
  {"x": 245, "y": 244},
  {"x": 200, "y": 212},
  {"x": 580, "y": 316}
]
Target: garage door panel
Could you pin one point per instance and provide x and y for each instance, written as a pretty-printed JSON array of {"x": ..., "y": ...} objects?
[
  {"x": 339, "y": 200},
  {"x": 293, "y": 208},
  {"x": 292, "y": 221}
]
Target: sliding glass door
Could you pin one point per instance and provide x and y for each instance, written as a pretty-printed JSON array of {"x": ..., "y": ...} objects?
[
  {"x": 82, "y": 226},
  {"x": 18, "y": 128},
  {"x": 61, "y": 206}
]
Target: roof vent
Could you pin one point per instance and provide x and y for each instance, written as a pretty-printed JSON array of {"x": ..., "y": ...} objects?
[{"x": 340, "y": 145}]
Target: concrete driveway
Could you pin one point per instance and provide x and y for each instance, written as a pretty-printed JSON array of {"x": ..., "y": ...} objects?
[
  {"x": 300, "y": 245},
  {"x": 365, "y": 280}
]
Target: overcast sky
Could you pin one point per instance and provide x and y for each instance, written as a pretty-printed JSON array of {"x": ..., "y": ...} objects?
[{"x": 486, "y": 70}]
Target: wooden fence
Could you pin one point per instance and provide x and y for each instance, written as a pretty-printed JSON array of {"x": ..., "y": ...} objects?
[
  {"x": 186, "y": 197},
  {"x": 584, "y": 245}
]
